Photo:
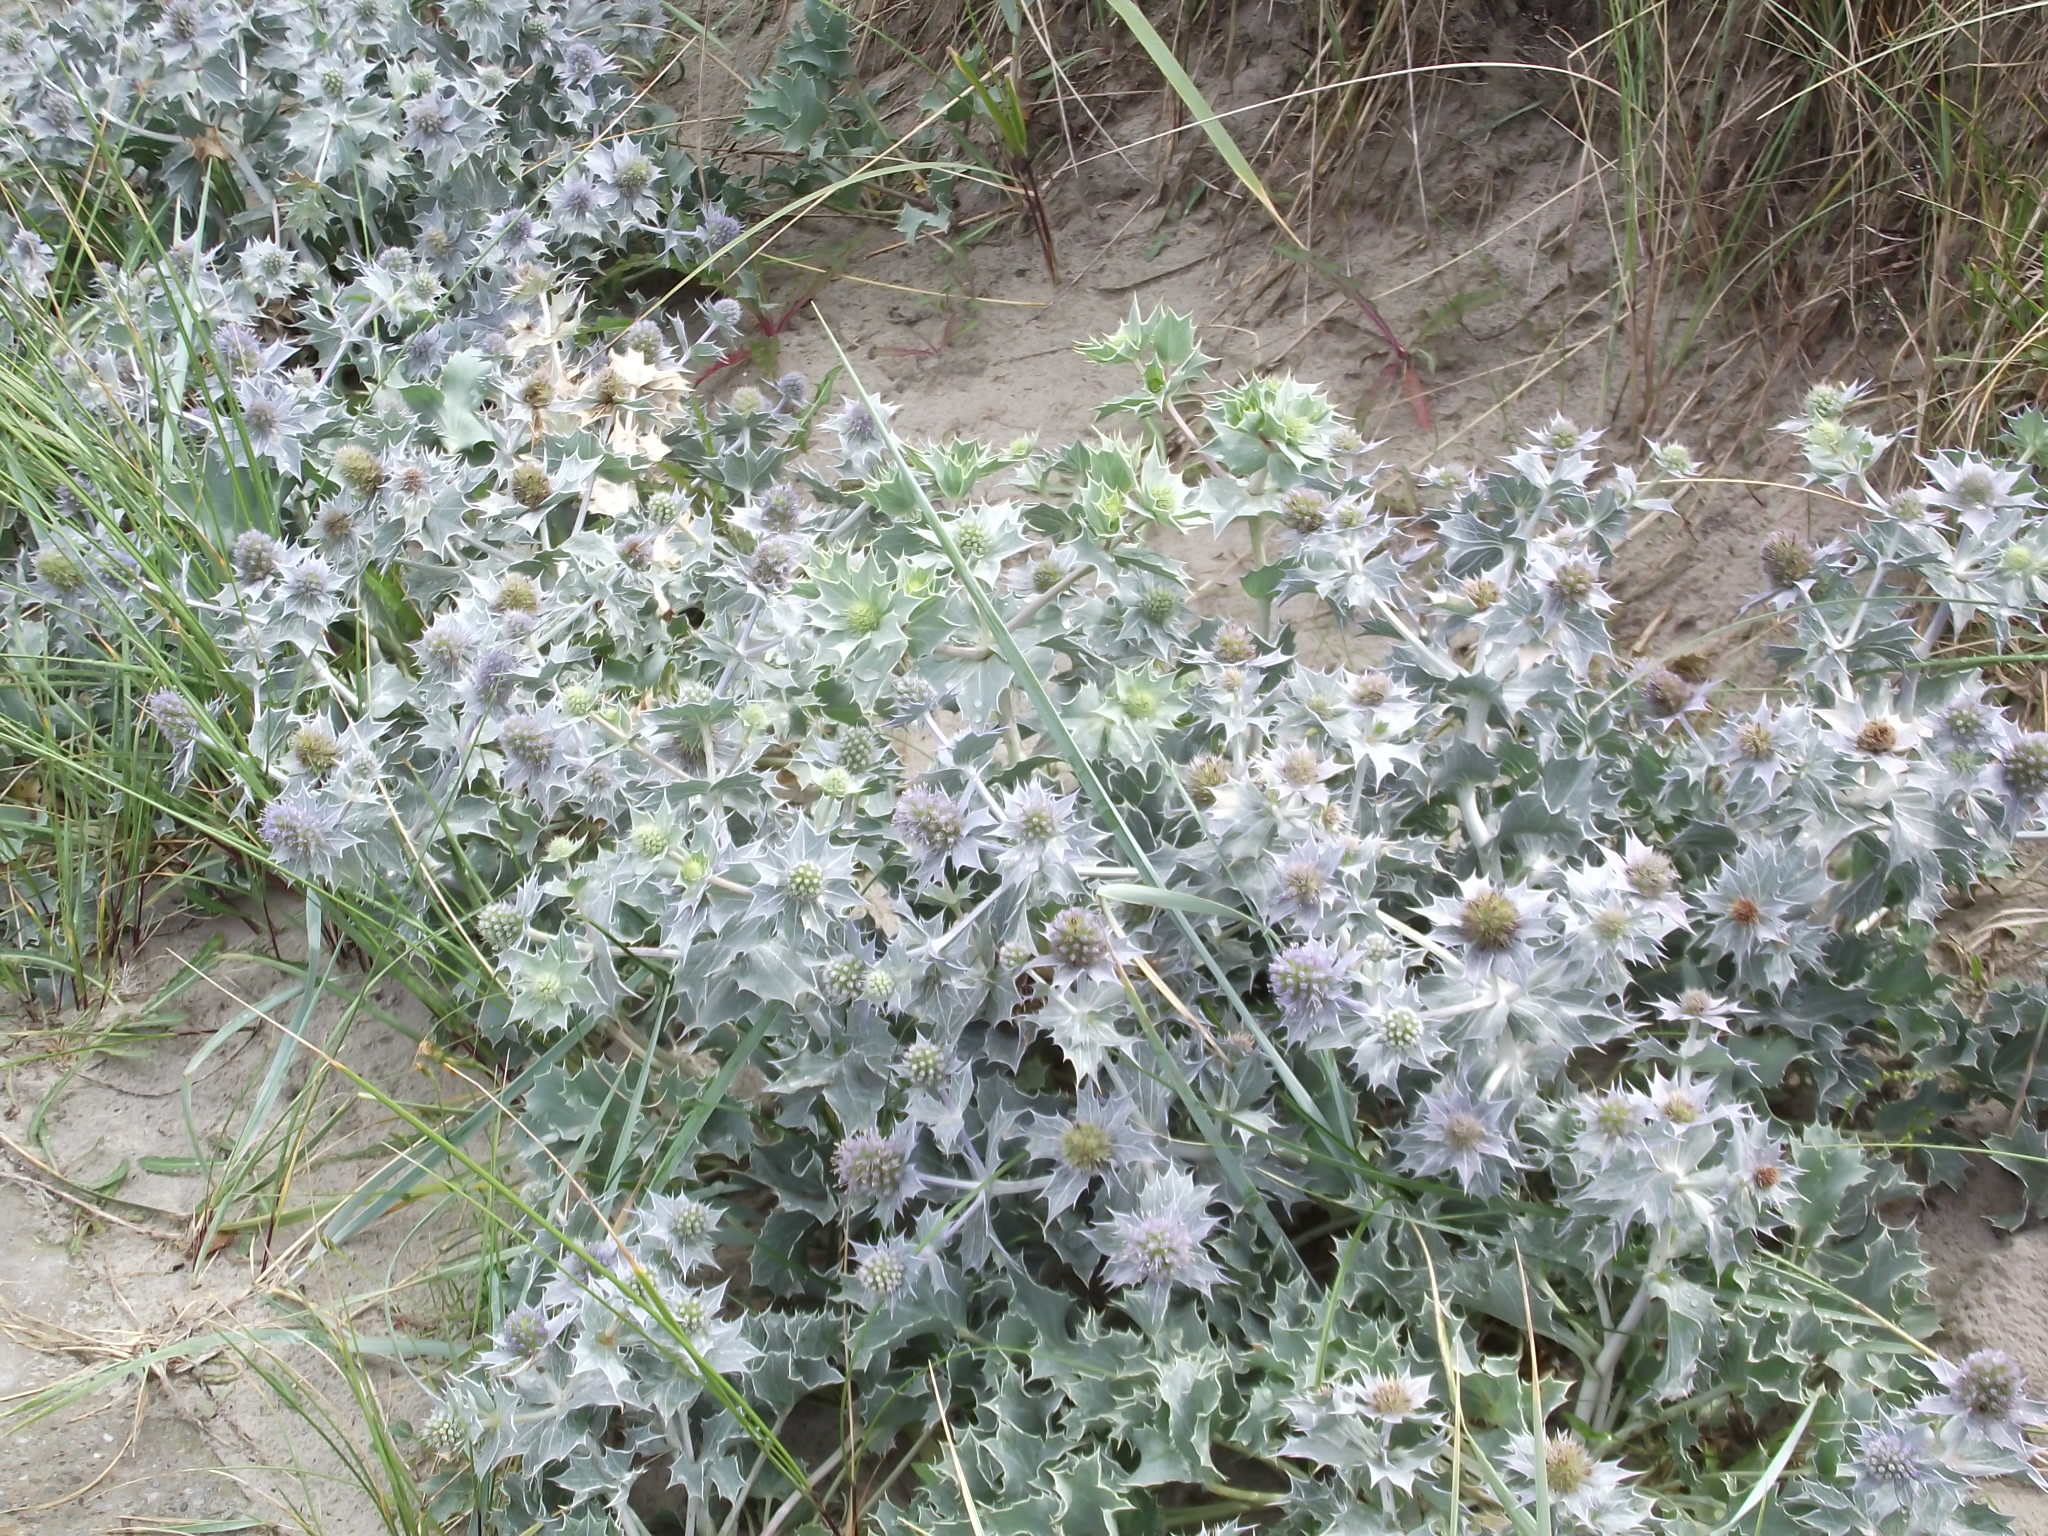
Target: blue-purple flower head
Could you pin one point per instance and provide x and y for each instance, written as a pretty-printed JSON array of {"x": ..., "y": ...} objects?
[
  {"x": 863, "y": 432},
  {"x": 493, "y": 680},
  {"x": 1162, "y": 1241},
  {"x": 523, "y": 1337},
  {"x": 435, "y": 128},
  {"x": 1305, "y": 881},
  {"x": 1312, "y": 984},
  {"x": 1985, "y": 1395},
  {"x": 304, "y": 834},
  {"x": 939, "y": 830},
  {"x": 778, "y": 511},
  {"x": 774, "y": 563},
  {"x": 1899, "y": 1467},
  {"x": 579, "y": 204},
  {"x": 175, "y": 717},
  {"x": 723, "y": 318},
  {"x": 1455, "y": 1131},
  {"x": 531, "y": 748},
  {"x": 446, "y": 648},
  {"x": 271, "y": 422},
  {"x": 876, "y": 1170},
  {"x": 580, "y": 65},
  {"x": 308, "y": 588},
  {"x": 717, "y": 230}
]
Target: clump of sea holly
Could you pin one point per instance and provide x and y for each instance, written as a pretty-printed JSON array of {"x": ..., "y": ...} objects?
[{"x": 926, "y": 950}]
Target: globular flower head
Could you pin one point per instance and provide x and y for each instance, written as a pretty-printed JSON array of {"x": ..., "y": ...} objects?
[
  {"x": 844, "y": 980},
  {"x": 1969, "y": 724},
  {"x": 359, "y": 469},
  {"x": 1161, "y": 1242},
  {"x": 886, "y": 1274},
  {"x": 717, "y": 229},
  {"x": 1898, "y": 1467},
  {"x": 1767, "y": 1182},
  {"x": 1306, "y": 881},
  {"x": 1680, "y": 1101},
  {"x": 308, "y": 588},
  {"x": 60, "y": 572},
  {"x": 1787, "y": 559},
  {"x": 923, "y": 1065},
  {"x": 1568, "y": 580},
  {"x": 255, "y": 555},
  {"x": 1311, "y": 982},
  {"x": 1985, "y": 1394},
  {"x": 1608, "y": 1126},
  {"x": 876, "y": 1170},
  {"x": 1668, "y": 694},
  {"x": 1102, "y": 1139},
  {"x": 1974, "y": 488},
  {"x": 492, "y": 679},
  {"x": 780, "y": 511},
  {"x": 2023, "y": 770},
  {"x": 445, "y": 648},
  {"x": 444, "y": 1433},
  {"x": 312, "y": 749},
  {"x": 1593, "y": 1493},
  {"x": 1494, "y": 926},
  {"x": 774, "y": 563},
  {"x": 940, "y": 830},
  {"x": 912, "y": 696},
  {"x": 1041, "y": 839},
  {"x": 175, "y": 717},
  {"x": 1872, "y": 732},
  {"x": 1396, "y": 1035},
  {"x": 500, "y": 925},
  {"x": 531, "y": 748},
  {"x": 1389, "y": 1398},
  {"x": 523, "y": 1336},
  {"x": 580, "y": 204},
  {"x": 1079, "y": 943},
  {"x": 1300, "y": 772},
  {"x": 1763, "y": 748},
  {"x": 863, "y": 432},
  {"x": 1757, "y": 911},
  {"x": 304, "y": 834},
  {"x": 680, "y": 1226},
  {"x": 1455, "y": 1131},
  {"x": 550, "y": 984}
]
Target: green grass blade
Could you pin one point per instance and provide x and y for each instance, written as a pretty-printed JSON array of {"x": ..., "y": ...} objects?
[
  {"x": 1191, "y": 96},
  {"x": 1773, "y": 1474}
]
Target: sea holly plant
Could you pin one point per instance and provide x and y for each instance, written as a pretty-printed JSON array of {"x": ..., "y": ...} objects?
[{"x": 1119, "y": 1069}]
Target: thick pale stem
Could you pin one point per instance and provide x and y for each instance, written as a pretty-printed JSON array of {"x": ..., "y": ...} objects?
[{"x": 1596, "y": 1393}]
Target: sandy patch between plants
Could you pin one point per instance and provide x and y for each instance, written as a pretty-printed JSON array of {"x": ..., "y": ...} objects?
[{"x": 197, "y": 1436}]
